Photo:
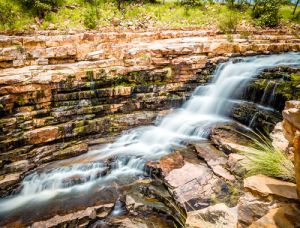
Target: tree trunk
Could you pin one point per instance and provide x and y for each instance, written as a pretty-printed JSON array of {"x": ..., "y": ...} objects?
[{"x": 296, "y": 6}]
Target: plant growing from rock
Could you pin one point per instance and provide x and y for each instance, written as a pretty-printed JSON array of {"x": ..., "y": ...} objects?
[{"x": 265, "y": 159}]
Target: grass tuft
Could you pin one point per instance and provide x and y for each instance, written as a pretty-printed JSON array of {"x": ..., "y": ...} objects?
[{"x": 265, "y": 159}]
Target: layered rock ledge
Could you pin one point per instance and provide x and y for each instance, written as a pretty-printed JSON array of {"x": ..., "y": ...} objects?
[{"x": 58, "y": 90}]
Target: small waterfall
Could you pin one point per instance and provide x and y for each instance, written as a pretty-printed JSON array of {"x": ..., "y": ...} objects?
[
  {"x": 266, "y": 92},
  {"x": 272, "y": 96},
  {"x": 192, "y": 121}
]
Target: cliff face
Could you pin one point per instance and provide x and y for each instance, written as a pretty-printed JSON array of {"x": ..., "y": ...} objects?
[
  {"x": 291, "y": 130},
  {"x": 58, "y": 90}
]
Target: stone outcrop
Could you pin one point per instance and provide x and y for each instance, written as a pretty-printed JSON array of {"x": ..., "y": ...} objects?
[
  {"x": 218, "y": 215},
  {"x": 265, "y": 186},
  {"x": 291, "y": 129},
  {"x": 56, "y": 88}
]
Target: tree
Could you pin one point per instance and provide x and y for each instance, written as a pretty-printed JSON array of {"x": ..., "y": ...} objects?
[{"x": 296, "y": 5}]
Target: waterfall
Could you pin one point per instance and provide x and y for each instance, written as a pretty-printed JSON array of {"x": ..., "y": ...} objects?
[{"x": 207, "y": 106}]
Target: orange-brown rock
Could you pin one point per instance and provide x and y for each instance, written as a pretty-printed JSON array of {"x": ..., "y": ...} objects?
[
  {"x": 57, "y": 87},
  {"x": 291, "y": 130},
  {"x": 42, "y": 135}
]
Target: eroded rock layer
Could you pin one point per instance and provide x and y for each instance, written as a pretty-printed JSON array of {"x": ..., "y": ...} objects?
[{"x": 58, "y": 90}]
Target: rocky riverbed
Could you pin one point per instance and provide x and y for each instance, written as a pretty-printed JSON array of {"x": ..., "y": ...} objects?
[{"x": 64, "y": 95}]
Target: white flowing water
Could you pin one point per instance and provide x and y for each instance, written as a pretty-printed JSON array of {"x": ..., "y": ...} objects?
[{"x": 130, "y": 152}]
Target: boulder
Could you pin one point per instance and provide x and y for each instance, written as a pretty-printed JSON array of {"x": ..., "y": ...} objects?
[
  {"x": 265, "y": 186},
  {"x": 286, "y": 216},
  {"x": 218, "y": 215}
]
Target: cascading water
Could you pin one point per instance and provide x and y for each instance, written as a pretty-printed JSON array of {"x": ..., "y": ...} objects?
[{"x": 129, "y": 153}]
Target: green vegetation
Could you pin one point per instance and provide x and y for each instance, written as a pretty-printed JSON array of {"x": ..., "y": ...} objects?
[
  {"x": 267, "y": 12},
  {"x": 95, "y": 14},
  {"x": 265, "y": 159}
]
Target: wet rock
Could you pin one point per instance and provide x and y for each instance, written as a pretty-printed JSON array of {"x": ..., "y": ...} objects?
[
  {"x": 218, "y": 215},
  {"x": 71, "y": 151},
  {"x": 18, "y": 166},
  {"x": 6, "y": 181},
  {"x": 131, "y": 204},
  {"x": 285, "y": 216},
  {"x": 264, "y": 185},
  {"x": 76, "y": 218},
  {"x": 166, "y": 164}
]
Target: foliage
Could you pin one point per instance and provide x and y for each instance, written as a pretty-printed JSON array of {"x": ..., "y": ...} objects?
[
  {"x": 41, "y": 7},
  {"x": 228, "y": 23},
  {"x": 239, "y": 4},
  {"x": 267, "y": 12},
  {"x": 7, "y": 15},
  {"x": 90, "y": 19},
  {"x": 265, "y": 159}
]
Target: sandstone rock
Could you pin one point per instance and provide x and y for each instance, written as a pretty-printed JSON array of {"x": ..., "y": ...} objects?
[
  {"x": 285, "y": 216},
  {"x": 297, "y": 161},
  {"x": 42, "y": 135},
  {"x": 215, "y": 160},
  {"x": 75, "y": 218},
  {"x": 250, "y": 208},
  {"x": 229, "y": 138},
  {"x": 237, "y": 164},
  {"x": 116, "y": 21},
  {"x": 18, "y": 166},
  {"x": 218, "y": 215},
  {"x": 167, "y": 163},
  {"x": 292, "y": 113},
  {"x": 71, "y": 151},
  {"x": 278, "y": 139},
  {"x": 9, "y": 180},
  {"x": 269, "y": 186}
]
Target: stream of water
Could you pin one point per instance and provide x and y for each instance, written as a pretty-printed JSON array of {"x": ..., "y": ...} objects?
[{"x": 128, "y": 154}]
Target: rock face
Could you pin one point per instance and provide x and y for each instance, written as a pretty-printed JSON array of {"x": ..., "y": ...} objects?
[
  {"x": 269, "y": 186},
  {"x": 218, "y": 215},
  {"x": 291, "y": 129},
  {"x": 61, "y": 88}
]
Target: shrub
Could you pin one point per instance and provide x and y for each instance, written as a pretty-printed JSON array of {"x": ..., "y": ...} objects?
[
  {"x": 7, "y": 15},
  {"x": 228, "y": 23},
  {"x": 41, "y": 7},
  {"x": 265, "y": 159},
  {"x": 267, "y": 12},
  {"x": 90, "y": 19}
]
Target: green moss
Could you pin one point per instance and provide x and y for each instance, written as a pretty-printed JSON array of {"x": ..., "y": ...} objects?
[
  {"x": 90, "y": 75},
  {"x": 21, "y": 101}
]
